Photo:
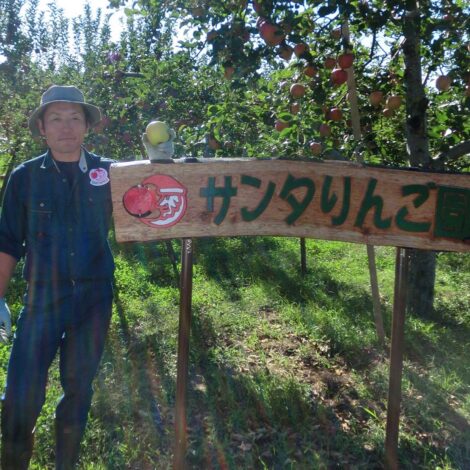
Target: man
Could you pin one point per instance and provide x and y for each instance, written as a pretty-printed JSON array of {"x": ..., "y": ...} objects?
[{"x": 56, "y": 213}]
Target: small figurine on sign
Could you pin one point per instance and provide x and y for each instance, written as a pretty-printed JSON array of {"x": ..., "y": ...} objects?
[{"x": 158, "y": 141}]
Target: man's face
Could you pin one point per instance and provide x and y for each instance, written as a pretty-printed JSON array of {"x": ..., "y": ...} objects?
[{"x": 64, "y": 126}]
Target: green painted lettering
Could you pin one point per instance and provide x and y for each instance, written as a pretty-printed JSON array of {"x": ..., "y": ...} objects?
[
  {"x": 328, "y": 203},
  {"x": 247, "y": 215},
  {"x": 408, "y": 225},
  {"x": 369, "y": 202},
  {"x": 298, "y": 207},
  {"x": 226, "y": 193},
  {"x": 453, "y": 213}
]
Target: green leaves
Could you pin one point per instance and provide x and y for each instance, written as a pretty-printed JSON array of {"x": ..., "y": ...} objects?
[{"x": 171, "y": 60}]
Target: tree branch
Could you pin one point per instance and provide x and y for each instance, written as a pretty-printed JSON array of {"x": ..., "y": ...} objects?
[{"x": 452, "y": 154}]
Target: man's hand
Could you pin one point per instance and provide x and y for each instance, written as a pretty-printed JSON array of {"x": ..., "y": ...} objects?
[
  {"x": 5, "y": 321},
  {"x": 163, "y": 151}
]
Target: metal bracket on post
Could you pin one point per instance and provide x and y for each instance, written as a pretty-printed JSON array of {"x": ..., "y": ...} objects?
[{"x": 396, "y": 359}]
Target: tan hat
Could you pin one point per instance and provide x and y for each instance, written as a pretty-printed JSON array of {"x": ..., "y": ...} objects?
[{"x": 63, "y": 94}]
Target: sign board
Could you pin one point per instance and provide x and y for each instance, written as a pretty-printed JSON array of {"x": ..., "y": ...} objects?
[{"x": 325, "y": 200}]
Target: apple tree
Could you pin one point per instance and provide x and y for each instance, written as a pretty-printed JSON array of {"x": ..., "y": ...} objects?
[
  {"x": 19, "y": 78},
  {"x": 286, "y": 64}
]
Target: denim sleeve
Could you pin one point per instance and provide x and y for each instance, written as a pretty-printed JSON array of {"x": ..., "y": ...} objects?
[{"x": 12, "y": 219}]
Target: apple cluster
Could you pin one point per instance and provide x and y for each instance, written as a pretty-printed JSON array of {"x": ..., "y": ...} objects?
[
  {"x": 338, "y": 76},
  {"x": 392, "y": 103},
  {"x": 276, "y": 34}
]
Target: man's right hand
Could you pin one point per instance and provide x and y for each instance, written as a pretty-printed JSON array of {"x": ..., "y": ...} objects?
[{"x": 5, "y": 321}]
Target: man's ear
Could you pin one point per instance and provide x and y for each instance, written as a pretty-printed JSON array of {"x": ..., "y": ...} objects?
[{"x": 41, "y": 127}]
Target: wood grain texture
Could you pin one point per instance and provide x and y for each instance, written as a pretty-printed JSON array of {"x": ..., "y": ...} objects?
[{"x": 323, "y": 200}]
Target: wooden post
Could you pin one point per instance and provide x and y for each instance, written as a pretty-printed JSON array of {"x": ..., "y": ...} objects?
[
  {"x": 179, "y": 460},
  {"x": 357, "y": 132},
  {"x": 396, "y": 359},
  {"x": 303, "y": 257}
]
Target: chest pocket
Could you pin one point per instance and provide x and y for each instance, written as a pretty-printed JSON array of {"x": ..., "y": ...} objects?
[{"x": 40, "y": 220}]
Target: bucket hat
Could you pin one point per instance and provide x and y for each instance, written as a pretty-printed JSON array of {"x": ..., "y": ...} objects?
[{"x": 63, "y": 94}]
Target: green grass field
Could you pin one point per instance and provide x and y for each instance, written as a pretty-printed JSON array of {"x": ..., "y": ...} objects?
[{"x": 286, "y": 371}]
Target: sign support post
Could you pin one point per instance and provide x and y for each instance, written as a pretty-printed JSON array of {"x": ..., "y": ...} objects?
[
  {"x": 303, "y": 257},
  {"x": 186, "y": 285},
  {"x": 396, "y": 358}
]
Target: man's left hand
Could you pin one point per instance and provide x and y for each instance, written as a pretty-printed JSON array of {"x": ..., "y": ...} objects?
[{"x": 163, "y": 151}]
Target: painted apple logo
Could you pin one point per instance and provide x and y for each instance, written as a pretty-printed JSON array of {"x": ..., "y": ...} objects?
[
  {"x": 140, "y": 201},
  {"x": 159, "y": 201}
]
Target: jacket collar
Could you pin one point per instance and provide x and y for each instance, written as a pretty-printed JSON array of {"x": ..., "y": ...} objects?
[{"x": 49, "y": 162}]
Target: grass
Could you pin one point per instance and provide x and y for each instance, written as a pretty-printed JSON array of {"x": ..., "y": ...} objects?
[{"x": 285, "y": 370}]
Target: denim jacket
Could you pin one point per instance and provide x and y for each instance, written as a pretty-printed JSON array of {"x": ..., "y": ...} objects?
[{"x": 62, "y": 230}]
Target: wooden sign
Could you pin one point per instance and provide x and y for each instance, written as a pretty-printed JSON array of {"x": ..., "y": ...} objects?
[{"x": 325, "y": 200}]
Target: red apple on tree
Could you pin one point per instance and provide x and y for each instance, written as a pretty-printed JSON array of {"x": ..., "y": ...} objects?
[
  {"x": 300, "y": 49},
  {"x": 339, "y": 76},
  {"x": 286, "y": 52},
  {"x": 325, "y": 130},
  {"x": 443, "y": 82},
  {"x": 375, "y": 98},
  {"x": 335, "y": 114},
  {"x": 387, "y": 112},
  {"x": 295, "y": 108},
  {"x": 297, "y": 90},
  {"x": 213, "y": 143},
  {"x": 228, "y": 72},
  {"x": 346, "y": 60},
  {"x": 280, "y": 125},
  {"x": 271, "y": 34},
  {"x": 316, "y": 148},
  {"x": 310, "y": 70},
  {"x": 393, "y": 102},
  {"x": 329, "y": 63}
]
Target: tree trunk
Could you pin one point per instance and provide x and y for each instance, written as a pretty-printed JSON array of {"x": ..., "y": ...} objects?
[
  {"x": 420, "y": 295},
  {"x": 422, "y": 275}
]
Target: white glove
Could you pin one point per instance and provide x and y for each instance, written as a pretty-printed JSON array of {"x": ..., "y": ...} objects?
[
  {"x": 163, "y": 151},
  {"x": 5, "y": 321}
]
